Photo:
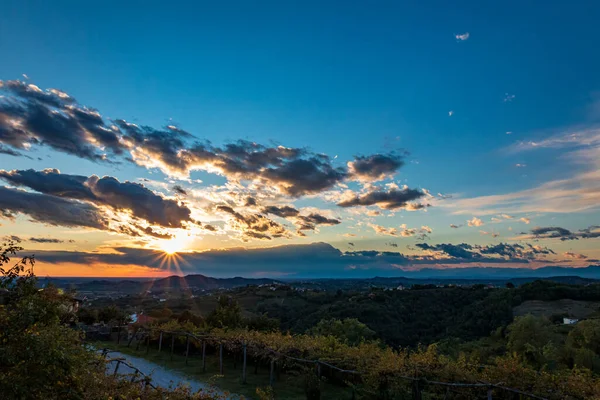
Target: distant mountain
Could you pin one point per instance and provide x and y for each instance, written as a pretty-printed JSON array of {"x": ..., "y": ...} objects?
[
  {"x": 592, "y": 271},
  {"x": 198, "y": 281}
]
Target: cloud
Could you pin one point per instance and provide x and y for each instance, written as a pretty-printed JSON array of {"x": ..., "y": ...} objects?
[
  {"x": 492, "y": 234},
  {"x": 51, "y": 118},
  {"x": 375, "y": 167},
  {"x": 45, "y": 240},
  {"x": 389, "y": 200},
  {"x": 454, "y": 226},
  {"x": 525, "y": 220},
  {"x": 462, "y": 36},
  {"x": 475, "y": 222},
  {"x": 10, "y": 152},
  {"x": 51, "y": 210},
  {"x": 508, "y": 97},
  {"x": 285, "y": 211},
  {"x": 254, "y": 226},
  {"x": 502, "y": 252},
  {"x": 310, "y": 221},
  {"x": 179, "y": 190},
  {"x": 520, "y": 165},
  {"x": 403, "y": 231},
  {"x": 576, "y": 256},
  {"x": 462, "y": 250},
  {"x": 555, "y": 232},
  {"x": 105, "y": 191},
  {"x": 450, "y": 113}
]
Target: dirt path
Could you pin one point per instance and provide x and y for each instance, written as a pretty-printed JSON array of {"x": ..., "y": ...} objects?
[{"x": 161, "y": 376}]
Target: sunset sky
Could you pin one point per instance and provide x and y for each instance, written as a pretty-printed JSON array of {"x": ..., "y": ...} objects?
[{"x": 299, "y": 138}]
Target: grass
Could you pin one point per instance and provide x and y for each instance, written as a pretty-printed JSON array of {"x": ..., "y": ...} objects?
[{"x": 286, "y": 386}]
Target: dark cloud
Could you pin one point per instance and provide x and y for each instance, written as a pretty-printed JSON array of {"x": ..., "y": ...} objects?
[
  {"x": 316, "y": 259},
  {"x": 455, "y": 226},
  {"x": 389, "y": 200},
  {"x": 51, "y": 210},
  {"x": 47, "y": 118},
  {"x": 375, "y": 167},
  {"x": 51, "y": 97},
  {"x": 284, "y": 211},
  {"x": 350, "y": 244},
  {"x": 178, "y": 189},
  {"x": 462, "y": 250},
  {"x": 31, "y": 116},
  {"x": 45, "y": 240},
  {"x": 255, "y": 226},
  {"x": 310, "y": 222},
  {"x": 303, "y": 222},
  {"x": 106, "y": 191},
  {"x": 527, "y": 250},
  {"x": 555, "y": 232},
  {"x": 250, "y": 201},
  {"x": 11, "y": 152},
  {"x": 305, "y": 176}
]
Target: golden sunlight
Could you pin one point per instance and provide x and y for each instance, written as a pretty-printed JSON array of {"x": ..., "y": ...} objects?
[{"x": 173, "y": 245}]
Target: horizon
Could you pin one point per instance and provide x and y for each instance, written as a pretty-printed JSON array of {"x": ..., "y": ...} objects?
[{"x": 279, "y": 141}]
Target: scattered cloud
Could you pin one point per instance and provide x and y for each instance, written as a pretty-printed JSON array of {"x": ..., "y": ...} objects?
[
  {"x": 556, "y": 232},
  {"x": 461, "y": 37},
  {"x": 389, "y": 200},
  {"x": 475, "y": 222},
  {"x": 508, "y": 97}
]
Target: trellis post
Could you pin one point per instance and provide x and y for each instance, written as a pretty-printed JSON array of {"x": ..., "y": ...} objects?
[
  {"x": 204, "y": 356},
  {"x": 272, "y": 372},
  {"x": 221, "y": 358},
  {"x": 119, "y": 335},
  {"x": 489, "y": 394},
  {"x": 172, "y": 345},
  {"x": 416, "y": 390},
  {"x": 187, "y": 348},
  {"x": 244, "y": 364},
  {"x": 148, "y": 343},
  {"x": 117, "y": 368},
  {"x": 160, "y": 342}
]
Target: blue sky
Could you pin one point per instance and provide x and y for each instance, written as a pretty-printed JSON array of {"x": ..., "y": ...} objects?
[{"x": 345, "y": 79}]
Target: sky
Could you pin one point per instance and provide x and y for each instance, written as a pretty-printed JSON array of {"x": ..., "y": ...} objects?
[{"x": 291, "y": 139}]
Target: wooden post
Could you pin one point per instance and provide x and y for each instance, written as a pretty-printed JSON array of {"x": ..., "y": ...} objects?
[
  {"x": 221, "y": 358},
  {"x": 416, "y": 390},
  {"x": 160, "y": 342},
  {"x": 187, "y": 348},
  {"x": 119, "y": 335},
  {"x": 318, "y": 368},
  {"x": 172, "y": 345},
  {"x": 244, "y": 364},
  {"x": 272, "y": 373},
  {"x": 147, "y": 342},
  {"x": 203, "y": 356},
  {"x": 117, "y": 368},
  {"x": 490, "y": 394}
]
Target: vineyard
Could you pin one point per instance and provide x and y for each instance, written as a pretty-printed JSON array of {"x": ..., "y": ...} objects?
[{"x": 369, "y": 370}]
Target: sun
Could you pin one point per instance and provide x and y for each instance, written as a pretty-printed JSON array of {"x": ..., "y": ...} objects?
[{"x": 173, "y": 245}]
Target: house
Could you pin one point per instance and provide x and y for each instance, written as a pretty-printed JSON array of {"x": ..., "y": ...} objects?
[{"x": 570, "y": 321}]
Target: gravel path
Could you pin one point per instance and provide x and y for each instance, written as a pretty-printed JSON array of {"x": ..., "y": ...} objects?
[{"x": 161, "y": 376}]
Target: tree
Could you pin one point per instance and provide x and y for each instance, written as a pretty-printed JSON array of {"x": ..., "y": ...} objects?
[
  {"x": 532, "y": 339},
  {"x": 228, "y": 314},
  {"x": 350, "y": 330}
]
